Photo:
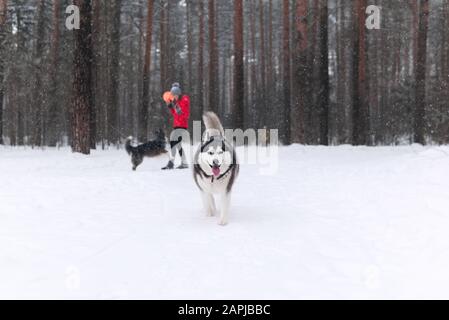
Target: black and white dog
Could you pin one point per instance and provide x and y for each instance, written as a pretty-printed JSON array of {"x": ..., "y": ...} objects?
[
  {"x": 215, "y": 168},
  {"x": 150, "y": 149}
]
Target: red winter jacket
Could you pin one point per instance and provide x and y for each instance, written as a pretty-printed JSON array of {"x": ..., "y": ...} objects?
[{"x": 181, "y": 120}]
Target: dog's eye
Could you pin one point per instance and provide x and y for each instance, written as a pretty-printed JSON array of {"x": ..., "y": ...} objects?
[
  {"x": 220, "y": 152},
  {"x": 211, "y": 153}
]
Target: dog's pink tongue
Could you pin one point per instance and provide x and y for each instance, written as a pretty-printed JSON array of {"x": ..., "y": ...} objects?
[{"x": 216, "y": 171}]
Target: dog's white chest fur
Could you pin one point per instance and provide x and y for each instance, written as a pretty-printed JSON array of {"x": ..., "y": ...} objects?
[{"x": 213, "y": 184}]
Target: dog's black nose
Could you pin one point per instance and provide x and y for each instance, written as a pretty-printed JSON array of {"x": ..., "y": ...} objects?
[{"x": 216, "y": 163}]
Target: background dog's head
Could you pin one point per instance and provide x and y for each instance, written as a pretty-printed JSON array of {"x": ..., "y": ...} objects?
[{"x": 160, "y": 135}]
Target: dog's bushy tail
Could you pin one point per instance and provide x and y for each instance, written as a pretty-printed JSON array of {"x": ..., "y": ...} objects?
[
  {"x": 213, "y": 124},
  {"x": 129, "y": 148}
]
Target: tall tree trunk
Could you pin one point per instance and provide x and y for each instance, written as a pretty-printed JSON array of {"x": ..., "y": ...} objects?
[
  {"x": 239, "y": 74},
  {"x": 445, "y": 133},
  {"x": 286, "y": 72},
  {"x": 420, "y": 73},
  {"x": 173, "y": 74},
  {"x": 251, "y": 60},
  {"x": 415, "y": 30},
  {"x": 189, "y": 46},
  {"x": 300, "y": 73},
  {"x": 263, "y": 71},
  {"x": 82, "y": 80},
  {"x": 444, "y": 43},
  {"x": 164, "y": 60},
  {"x": 213, "y": 59},
  {"x": 311, "y": 125},
  {"x": 374, "y": 88},
  {"x": 341, "y": 74},
  {"x": 96, "y": 28},
  {"x": 99, "y": 38},
  {"x": 143, "y": 116},
  {"x": 106, "y": 73},
  {"x": 19, "y": 82},
  {"x": 53, "y": 123},
  {"x": 3, "y": 14},
  {"x": 201, "y": 60},
  {"x": 38, "y": 113},
  {"x": 164, "y": 55},
  {"x": 139, "y": 76},
  {"x": 324, "y": 75},
  {"x": 270, "y": 70},
  {"x": 359, "y": 109},
  {"x": 113, "y": 97},
  {"x": 446, "y": 46}
]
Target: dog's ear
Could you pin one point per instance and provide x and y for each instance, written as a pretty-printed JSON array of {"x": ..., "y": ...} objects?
[{"x": 160, "y": 134}]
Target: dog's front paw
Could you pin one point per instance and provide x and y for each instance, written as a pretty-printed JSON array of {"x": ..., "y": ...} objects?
[{"x": 223, "y": 222}]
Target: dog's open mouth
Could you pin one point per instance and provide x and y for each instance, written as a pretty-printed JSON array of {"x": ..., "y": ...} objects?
[{"x": 216, "y": 170}]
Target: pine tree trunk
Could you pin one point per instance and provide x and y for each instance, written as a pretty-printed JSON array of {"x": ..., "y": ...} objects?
[
  {"x": 446, "y": 46},
  {"x": 445, "y": 133},
  {"x": 171, "y": 45},
  {"x": 359, "y": 112},
  {"x": 201, "y": 60},
  {"x": 52, "y": 125},
  {"x": 286, "y": 72},
  {"x": 113, "y": 97},
  {"x": 143, "y": 116},
  {"x": 324, "y": 75},
  {"x": 3, "y": 14},
  {"x": 445, "y": 43},
  {"x": 252, "y": 80},
  {"x": 96, "y": 28},
  {"x": 374, "y": 89},
  {"x": 82, "y": 81},
  {"x": 263, "y": 71},
  {"x": 18, "y": 81},
  {"x": 300, "y": 72},
  {"x": 311, "y": 126},
  {"x": 239, "y": 74},
  {"x": 341, "y": 73},
  {"x": 415, "y": 30},
  {"x": 420, "y": 73},
  {"x": 38, "y": 98},
  {"x": 213, "y": 59},
  {"x": 270, "y": 70},
  {"x": 189, "y": 46},
  {"x": 164, "y": 55}
]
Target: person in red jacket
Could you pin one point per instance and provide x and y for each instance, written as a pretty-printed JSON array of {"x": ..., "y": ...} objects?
[{"x": 180, "y": 110}]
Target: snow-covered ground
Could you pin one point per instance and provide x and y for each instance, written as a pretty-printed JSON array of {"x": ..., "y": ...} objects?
[{"x": 337, "y": 222}]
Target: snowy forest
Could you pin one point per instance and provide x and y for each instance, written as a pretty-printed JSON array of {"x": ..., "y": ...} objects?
[
  {"x": 350, "y": 202},
  {"x": 310, "y": 68}
]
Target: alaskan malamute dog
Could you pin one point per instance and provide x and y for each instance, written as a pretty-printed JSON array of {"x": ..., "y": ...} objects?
[{"x": 215, "y": 168}]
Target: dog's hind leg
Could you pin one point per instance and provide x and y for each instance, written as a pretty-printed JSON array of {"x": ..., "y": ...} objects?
[
  {"x": 225, "y": 200},
  {"x": 209, "y": 204}
]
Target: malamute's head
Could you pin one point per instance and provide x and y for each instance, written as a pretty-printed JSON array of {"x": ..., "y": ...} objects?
[{"x": 215, "y": 157}]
